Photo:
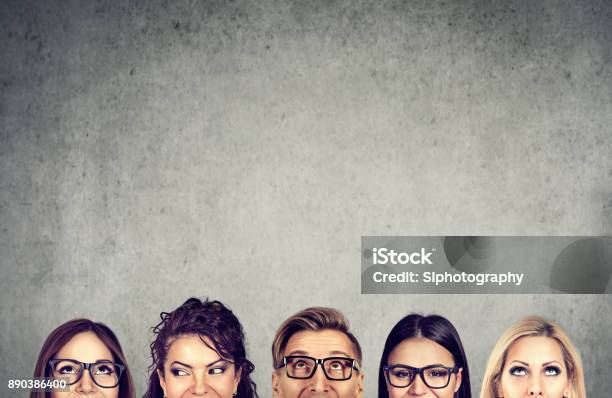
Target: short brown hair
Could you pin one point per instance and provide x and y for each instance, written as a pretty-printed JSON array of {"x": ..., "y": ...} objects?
[{"x": 315, "y": 319}]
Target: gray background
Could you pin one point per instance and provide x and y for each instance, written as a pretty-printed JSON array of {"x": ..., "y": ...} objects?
[{"x": 153, "y": 151}]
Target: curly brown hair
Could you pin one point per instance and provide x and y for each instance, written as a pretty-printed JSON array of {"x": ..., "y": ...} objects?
[{"x": 207, "y": 319}]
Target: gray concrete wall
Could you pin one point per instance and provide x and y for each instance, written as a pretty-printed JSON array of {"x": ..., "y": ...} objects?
[{"x": 150, "y": 151}]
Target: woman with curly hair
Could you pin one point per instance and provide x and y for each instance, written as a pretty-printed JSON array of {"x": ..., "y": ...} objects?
[{"x": 199, "y": 349}]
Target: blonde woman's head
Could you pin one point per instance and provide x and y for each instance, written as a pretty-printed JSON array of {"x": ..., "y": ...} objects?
[{"x": 534, "y": 358}]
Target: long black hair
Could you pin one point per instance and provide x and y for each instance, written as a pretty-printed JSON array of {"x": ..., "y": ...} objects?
[
  {"x": 209, "y": 319},
  {"x": 432, "y": 327}
]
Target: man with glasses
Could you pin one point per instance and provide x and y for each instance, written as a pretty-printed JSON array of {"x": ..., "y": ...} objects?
[{"x": 315, "y": 355}]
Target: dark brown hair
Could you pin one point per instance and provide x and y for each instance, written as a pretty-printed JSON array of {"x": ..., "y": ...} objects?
[
  {"x": 435, "y": 328},
  {"x": 62, "y": 335},
  {"x": 210, "y": 319},
  {"x": 315, "y": 319}
]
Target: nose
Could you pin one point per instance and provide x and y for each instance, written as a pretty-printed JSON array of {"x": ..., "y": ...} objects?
[
  {"x": 418, "y": 386},
  {"x": 86, "y": 384},
  {"x": 199, "y": 386},
  {"x": 535, "y": 387},
  {"x": 318, "y": 383}
]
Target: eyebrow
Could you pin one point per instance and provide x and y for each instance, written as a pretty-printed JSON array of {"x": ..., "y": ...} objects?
[
  {"x": 551, "y": 362},
  {"x": 524, "y": 363},
  {"x": 191, "y": 367},
  {"x": 297, "y": 352},
  {"x": 432, "y": 364},
  {"x": 182, "y": 364},
  {"x": 217, "y": 361},
  {"x": 338, "y": 352},
  {"x": 105, "y": 360},
  {"x": 332, "y": 353}
]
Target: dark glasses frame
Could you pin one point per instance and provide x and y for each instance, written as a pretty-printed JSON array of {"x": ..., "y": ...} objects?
[
  {"x": 420, "y": 371},
  {"x": 319, "y": 361},
  {"x": 87, "y": 366}
]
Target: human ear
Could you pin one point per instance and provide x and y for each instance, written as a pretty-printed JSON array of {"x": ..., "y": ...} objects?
[
  {"x": 276, "y": 392},
  {"x": 361, "y": 377},
  {"x": 567, "y": 390},
  {"x": 459, "y": 378},
  {"x": 359, "y": 386},
  {"x": 162, "y": 381},
  {"x": 497, "y": 390},
  {"x": 237, "y": 378}
]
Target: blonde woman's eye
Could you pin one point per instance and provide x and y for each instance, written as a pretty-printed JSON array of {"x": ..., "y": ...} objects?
[
  {"x": 518, "y": 371},
  {"x": 552, "y": 371}
]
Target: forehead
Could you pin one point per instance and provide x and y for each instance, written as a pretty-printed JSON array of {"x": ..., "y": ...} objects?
[
  {"x": 192, "y": 349},
  {"x": 419, "y": 352},
  {"x": 320, "y": 344},
  {"x": 535, "y": 350},
  {"x": 85, "y": 347}
]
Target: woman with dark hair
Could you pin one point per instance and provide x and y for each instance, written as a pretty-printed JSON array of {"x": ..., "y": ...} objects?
[
  {"x": 199, "y": 349},
  {"x": 89, "y": 357},
  {"x": 424, "y": 357}
]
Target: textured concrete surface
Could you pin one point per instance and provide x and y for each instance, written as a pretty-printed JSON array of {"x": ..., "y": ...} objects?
[{"x": 150, "y": 151}]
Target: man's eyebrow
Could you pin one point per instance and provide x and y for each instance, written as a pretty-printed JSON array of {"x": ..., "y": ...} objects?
[
  {"x": 297, "y": 352},
  {"x": 331, "y": 353},
  {"x": 182, "y": 364},
  {"x": 338, "y": 352}
]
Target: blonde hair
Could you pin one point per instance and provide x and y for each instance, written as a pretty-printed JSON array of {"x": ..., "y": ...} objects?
[
  {"x": 315, "y": 319},
  {"x": 533, "y": 326}
]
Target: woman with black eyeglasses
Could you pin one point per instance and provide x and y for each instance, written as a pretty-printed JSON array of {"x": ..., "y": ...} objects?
[
  {"x": 423, "y": 357},
  {"x": 86, "y": 356}
]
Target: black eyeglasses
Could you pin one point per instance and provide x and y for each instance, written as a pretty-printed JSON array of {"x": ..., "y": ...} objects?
[
  {"x": 334, "y": 368},
  {"x": 105, "y": 374},
  {"x": 434, "y": 376}
]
